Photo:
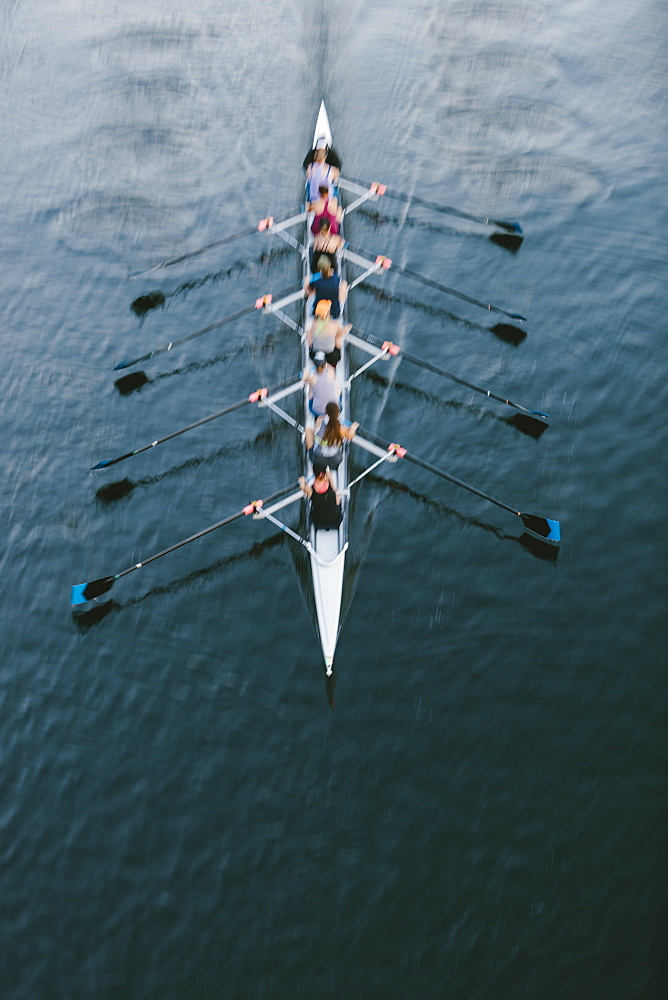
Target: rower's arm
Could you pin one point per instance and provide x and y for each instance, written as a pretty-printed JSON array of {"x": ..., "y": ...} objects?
[{"x": 304, "y": 487}]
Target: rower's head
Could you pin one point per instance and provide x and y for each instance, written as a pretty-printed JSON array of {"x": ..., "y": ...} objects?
[
  {"x": 319, "y": 360},
  {"x": 332, "y": 410},
  {"x": 320, "y": 467},
  {"x": 323, "y": 191},
  {"x": 324, "y": 265},
  {"x": 323, "y": 308},
  {"x": 320, "y": 154},
  {"x": 325, "y": 227}
]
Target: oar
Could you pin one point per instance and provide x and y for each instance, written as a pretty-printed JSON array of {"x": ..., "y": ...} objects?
[
  {"x": 253, "y": 398},
  {"x": 209, "y": 246},
  {"x": 512, "y": 227},
  {"x": 545, "y": 528},
  {"x": 395, "y": 350},
  {"x": 447, "y": 290},
  {"x": 197, "y": 333},
  {"x": 83, "y": 592}
]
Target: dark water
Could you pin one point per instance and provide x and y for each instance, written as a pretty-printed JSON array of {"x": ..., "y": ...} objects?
[{"x": 483, "y": 814}]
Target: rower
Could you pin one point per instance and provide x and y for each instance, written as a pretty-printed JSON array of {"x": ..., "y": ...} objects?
[
  {"x": 325, "y": 502},
  {"x": 324, "y": 388},
  {"x": 325, "y": 206},
  {"x": 328, "y": 286},
  {"x": 325, "y": 243},
  {"x": 325, "y": 335},
  {"x": 331, "y": 156},
  {"x": 326, "y": 441},
  {"x": 320, "y": 173}
]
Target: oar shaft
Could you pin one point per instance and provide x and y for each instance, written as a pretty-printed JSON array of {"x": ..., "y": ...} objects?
[
  {"x": 447, "y": 290},
  {"x": 197, "y": 333},
  {"x": 444, "y": 475},
  {"x": 514, "y": 227},
  {"x": 190, "y": 427},
  {"x": 199, "y": 534},
  {"x": 196, "y": 253},
  {"x": 459, "y": 295},
  {"x": 210, "y": 246},
  {"x": 428, "y": 366},
  {"x": 178, "y": 545},
  {"x": 459, "y": 482}
]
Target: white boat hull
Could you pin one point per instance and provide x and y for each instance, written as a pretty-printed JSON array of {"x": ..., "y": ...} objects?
[{"x": 328, "y": 548}]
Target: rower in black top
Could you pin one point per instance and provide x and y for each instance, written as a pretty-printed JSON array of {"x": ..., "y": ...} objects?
[{"x": 325, "y": 510}]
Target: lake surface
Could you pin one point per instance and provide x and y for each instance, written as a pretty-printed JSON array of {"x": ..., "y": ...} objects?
[{"x": 483, "y": 812}]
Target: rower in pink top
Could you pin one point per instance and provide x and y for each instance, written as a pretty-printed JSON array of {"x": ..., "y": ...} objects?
[{"x": 325, "y": 207}]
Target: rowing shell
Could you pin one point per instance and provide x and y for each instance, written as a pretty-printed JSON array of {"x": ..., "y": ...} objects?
[{"x": 327, "y": 548}]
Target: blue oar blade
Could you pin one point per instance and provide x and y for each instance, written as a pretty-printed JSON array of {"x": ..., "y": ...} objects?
[
  {"x": 513, "y": 227},
  {"x": 123, "y": 364},
  {"x": 102, "y": 465},
  {"x": 518, "y": 316},
  {"x": 544, "y": 527},
  {"x": 83, "y": 592}
]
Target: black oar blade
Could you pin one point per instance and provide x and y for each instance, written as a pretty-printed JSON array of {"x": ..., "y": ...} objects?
[
  {"x": 131, "y": 383},
  {"x": 508, "y": 333},
  {"x": 83, "y": 592},
  {"x": 543, "y": 527}
]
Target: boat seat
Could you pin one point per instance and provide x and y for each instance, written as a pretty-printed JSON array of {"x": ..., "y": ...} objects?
[{"x": 327, "y": 543}]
